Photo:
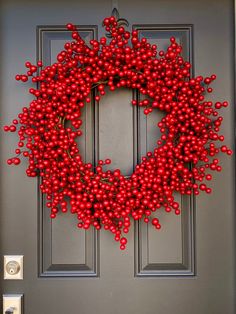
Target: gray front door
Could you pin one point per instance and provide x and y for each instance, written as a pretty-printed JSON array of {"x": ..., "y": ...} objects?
[{"x": 187, "y": 266}]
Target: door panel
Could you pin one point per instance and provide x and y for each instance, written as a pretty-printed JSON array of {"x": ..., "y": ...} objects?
[
  {"x": 117, "y": 130},
  {"x": 65, "y": 250},
  {"x": 154, "y": 258},
  {"x": 187, "y": 266}
]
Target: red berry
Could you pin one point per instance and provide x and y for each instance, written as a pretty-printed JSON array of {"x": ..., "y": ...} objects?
[{"x": 9, "y": 161}]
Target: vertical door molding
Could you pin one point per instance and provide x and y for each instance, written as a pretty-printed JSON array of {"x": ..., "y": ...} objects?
[
  {"x": 173, "y": 255},
  {"x": 55, "y": 257}
]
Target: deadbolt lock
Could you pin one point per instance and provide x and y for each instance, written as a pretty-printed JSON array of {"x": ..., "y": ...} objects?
[{"x": 13, "y": 267}]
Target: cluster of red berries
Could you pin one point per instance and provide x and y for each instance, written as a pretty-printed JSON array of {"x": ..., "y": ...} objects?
[{"x": 190, "y": 130}]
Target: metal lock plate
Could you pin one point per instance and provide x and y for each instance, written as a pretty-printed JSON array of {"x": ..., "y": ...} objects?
[
  {"x": 13, "y": 303},
  {"x": 13, "y": 267}
]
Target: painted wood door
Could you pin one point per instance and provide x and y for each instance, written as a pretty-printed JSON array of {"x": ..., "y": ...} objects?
[{"x": 188, "y": 266}]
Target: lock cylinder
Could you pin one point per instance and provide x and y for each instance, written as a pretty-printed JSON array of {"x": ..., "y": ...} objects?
[{"x": 12, "y": 268}]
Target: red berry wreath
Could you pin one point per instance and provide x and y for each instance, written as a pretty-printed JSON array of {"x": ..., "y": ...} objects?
[{"x": 106, "y": 198}]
